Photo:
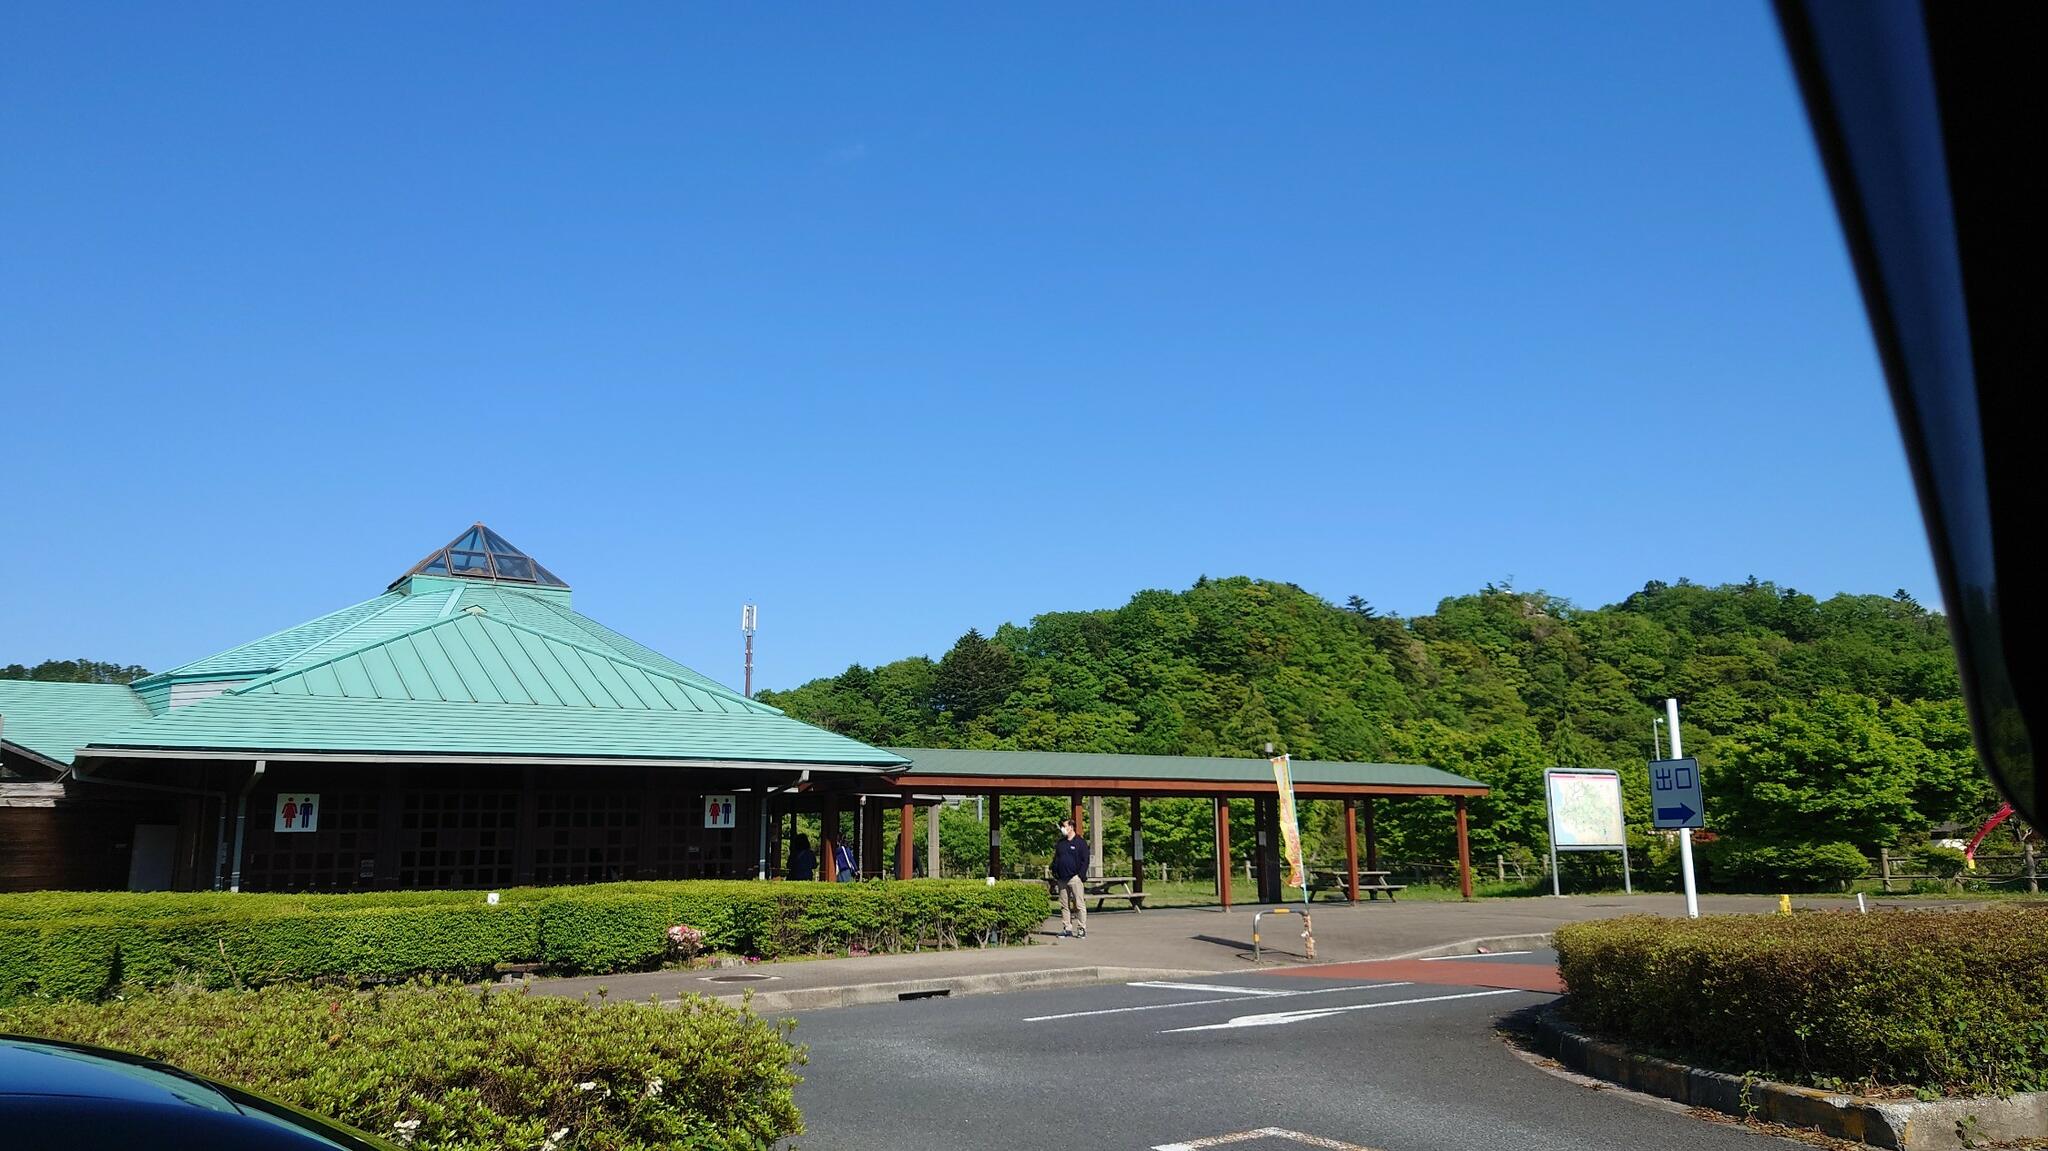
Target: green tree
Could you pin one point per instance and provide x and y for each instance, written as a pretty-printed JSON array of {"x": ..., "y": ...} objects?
[
  {"x": 974, "y": 678},
  {"x": 75, "y": 671},
  {"x": 1779, "y": 689},
  {"x": 1829, "y": 770}
]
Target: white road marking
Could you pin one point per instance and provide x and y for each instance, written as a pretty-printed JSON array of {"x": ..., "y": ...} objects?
[
  {"x": 1487, "y": 955},
  {"x": 1200, "y": 1002},
  {"x": 1275, "y": 1018},
  {"x": 1214, "y": 987},
  {"x": 1261, "y": 1133}
]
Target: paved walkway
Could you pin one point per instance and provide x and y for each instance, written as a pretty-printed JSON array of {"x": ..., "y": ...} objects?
[{"x": 1169, "y": 941}]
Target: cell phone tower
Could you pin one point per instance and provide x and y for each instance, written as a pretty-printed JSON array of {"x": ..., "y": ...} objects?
[{"x": 749, "y": 620}]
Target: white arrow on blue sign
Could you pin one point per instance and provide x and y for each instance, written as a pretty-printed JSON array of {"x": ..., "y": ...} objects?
[{"x": 1675, "y": 799}]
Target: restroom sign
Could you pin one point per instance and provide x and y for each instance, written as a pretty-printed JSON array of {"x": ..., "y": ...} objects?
[
  {"x": 719, "y": 811},
  {"x": 297, "y": 812}
]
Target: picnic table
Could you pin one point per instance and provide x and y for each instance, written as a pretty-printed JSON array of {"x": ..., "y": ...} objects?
[
  {"x": 1102, "y": 888},
  {"x": 1336, "y": 882}
]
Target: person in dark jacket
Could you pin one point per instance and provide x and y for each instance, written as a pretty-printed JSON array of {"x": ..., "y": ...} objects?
[
  {"x": 1069, "y": 869},
  {"x": 803, "y": 862}
]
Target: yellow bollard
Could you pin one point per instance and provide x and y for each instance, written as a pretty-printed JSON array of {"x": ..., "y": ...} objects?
[{"x": 1784, "y": 905}]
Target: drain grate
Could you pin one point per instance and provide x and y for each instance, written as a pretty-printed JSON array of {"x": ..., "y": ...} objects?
[{"x": 737, "y": 978}]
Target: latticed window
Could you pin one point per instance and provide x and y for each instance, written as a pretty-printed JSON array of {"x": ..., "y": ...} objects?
[
  {"x": 587, "y": 836},
  {"x": 685, "y": 849},
  {"x": 337, "y": 856},
  {"x": 457, "y": 838}
]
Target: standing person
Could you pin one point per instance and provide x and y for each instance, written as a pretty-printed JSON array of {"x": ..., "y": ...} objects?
[
  {"x": 803, "y": 862},
  {"x": 844, "y": 856},
  {"x": 1069, "y": 867}
]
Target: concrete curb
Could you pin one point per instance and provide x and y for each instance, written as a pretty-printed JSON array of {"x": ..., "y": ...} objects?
[
  {"x": 1901, "y": 1124},
  {"x": 994, "y": 983},
  {"x": 1530, "y": 942}
]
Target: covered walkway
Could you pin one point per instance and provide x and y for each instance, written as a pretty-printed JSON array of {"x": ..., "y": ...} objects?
[{"x": 1082, "y": 776}]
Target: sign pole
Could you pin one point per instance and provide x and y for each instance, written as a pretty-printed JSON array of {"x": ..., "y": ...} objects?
[
  {"x": 1550, "y": 813},
  {"x": 1692, "y": 891}
]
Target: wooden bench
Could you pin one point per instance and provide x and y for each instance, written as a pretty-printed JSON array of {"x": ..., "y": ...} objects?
[
  {"x": 1370, "y": 884},
  {"x": 1135, "y": 898},
  {"x": 1103, "y": 888}
]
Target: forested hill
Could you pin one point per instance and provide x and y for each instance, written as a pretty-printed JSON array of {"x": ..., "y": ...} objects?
[{"x": 1816, "y": 721}]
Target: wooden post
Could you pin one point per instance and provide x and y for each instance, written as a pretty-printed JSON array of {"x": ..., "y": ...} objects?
[
  {"x": 995, "y": 835},
  {"x": 1464, "y": 855},
  {"x": 1095, "y": 836},
  {"x": 1351, "y": 849},
  {"x": 2033, "y": 873},
  {"x": 871, "y": 850},
  {"x": 1270, "y": 879},
  {"x": 1223, "y": 852},
  {"x": 1884, "y": 868},
  {"x": 1137, "y": 848},
  {"x": 1500, "y": 868},
  {"x": 906, "y": 838},
  {"x": 932, "y": 868},
  {"x": 1078, "y": 816},
  {"x": 828, "y": 841}
]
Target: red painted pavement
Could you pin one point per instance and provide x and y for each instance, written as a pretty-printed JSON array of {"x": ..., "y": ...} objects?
[{"x": 1450, "y": 972}]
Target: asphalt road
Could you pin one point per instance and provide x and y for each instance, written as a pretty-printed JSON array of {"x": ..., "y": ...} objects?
[{"x": 1386, "y": 1057}]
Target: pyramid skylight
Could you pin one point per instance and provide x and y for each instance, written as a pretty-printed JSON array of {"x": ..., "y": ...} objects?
[{"x": 481, "y": 553}]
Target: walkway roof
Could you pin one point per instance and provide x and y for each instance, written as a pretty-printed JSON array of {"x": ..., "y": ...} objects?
[{"x": 953, "y": 770}]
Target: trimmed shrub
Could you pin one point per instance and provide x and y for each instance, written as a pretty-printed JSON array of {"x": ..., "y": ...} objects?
[
  {"x": 605, "y": 932},
  {"x": 1947, "y": 1001},
  {"x": 21, "y": 948},
  {"x": 447, "y": 1069},
  {"x": 78, "y": 945},
  {"x": 78, "y": 958},
  {"x": 370, "y": 943}
]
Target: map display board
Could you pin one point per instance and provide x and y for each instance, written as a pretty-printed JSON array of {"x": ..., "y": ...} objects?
[{"x": 1585, "y": 810}]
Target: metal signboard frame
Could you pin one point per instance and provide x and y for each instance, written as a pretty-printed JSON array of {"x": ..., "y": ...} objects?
[{"x": 1550, "y": 813}]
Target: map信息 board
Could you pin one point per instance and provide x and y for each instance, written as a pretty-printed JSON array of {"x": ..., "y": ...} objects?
[{"x": 1585, "y": 809}]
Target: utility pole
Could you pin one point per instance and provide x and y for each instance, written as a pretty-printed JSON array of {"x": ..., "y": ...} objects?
[
  {"x": 1692, "y": 891},
  {"x": 749, "y": 618}
]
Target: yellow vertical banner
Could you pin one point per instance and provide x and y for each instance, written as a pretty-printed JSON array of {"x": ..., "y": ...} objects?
[{"x": 1290, "y": 826}]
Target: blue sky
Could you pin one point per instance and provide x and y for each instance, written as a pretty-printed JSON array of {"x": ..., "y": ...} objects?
[{"x": 901, "y": 320}]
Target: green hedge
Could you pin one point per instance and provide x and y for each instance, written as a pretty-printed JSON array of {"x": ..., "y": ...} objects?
[
  {"x": 444, "y": 1069},
  {"x": 1734, "y": 865},
  {"x": 80, "y": 945},
  {"x": 1947, "y": 1001}
]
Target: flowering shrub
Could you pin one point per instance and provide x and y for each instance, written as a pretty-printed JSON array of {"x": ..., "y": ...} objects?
[
  {"x": 684, "y": 941},
  {"x": 442, "y": 1068}
]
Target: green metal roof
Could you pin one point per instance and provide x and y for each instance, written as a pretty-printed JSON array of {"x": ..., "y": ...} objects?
[
  {"x": 53, "y": 719},
  {"x": 476, "y": 652},
  {"x": 471, "y": 657},
  {"x": 271, "y": 652},
  {"x": 423, "y": 600},
  {"x": 1085, "y": 766},
  {"x": 283, "y": 724}
]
